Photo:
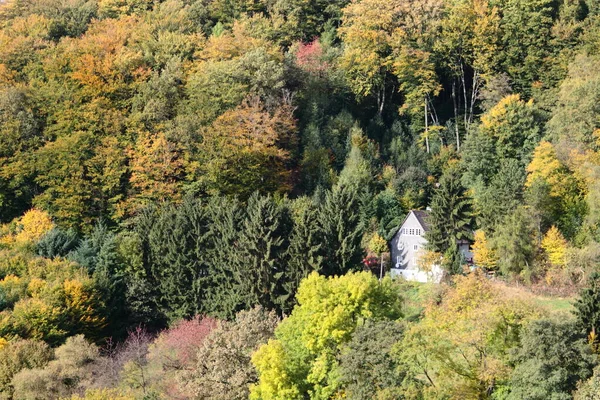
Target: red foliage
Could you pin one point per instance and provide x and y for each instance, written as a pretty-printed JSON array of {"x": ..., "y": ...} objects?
[
  {"x": 185, "y": 337},
  {"x": 370, "y": 261},
  {"x": 309, "y": 57}
]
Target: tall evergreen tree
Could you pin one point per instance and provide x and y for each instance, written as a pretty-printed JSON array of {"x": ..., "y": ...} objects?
[
  {"x": 342, "y": 228},
  {"x": 451, "y": 217},
  {"x": 259, "y": 259},
  {"x": 305, "y": 251},
  {"x": 226, "y": 216},
  {"x": 587, "y": 307},
  {"x": 514, "y": 245},
  {"x": 178, "y": 245}
]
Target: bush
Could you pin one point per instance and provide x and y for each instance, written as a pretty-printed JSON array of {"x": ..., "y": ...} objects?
[
  {"x": 18, "y": 355},
  {"x": 70, "y": 372},
  {"x": 224, "y": 370}
]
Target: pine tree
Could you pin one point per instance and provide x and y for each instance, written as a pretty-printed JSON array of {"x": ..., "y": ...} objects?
[
  {"x": 342, "y": 229},
  {"x": 451, "y": 216}
]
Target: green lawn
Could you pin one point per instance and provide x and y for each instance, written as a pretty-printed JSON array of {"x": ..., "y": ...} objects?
[{"x": 556, "y": 304}]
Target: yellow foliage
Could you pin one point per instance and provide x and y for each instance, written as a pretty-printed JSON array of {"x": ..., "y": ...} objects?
[
  {"x": 377, "y": 244},
  {"x": 483, "y": 255},
  {"x": 546, "y": 166},
  {"x": 428, "y": 259},
  {"x": 80, "y": 303},
  {"x": 30, "y": 227},
  {"x": 461, "y": 343},
  {"x": 555, "y": 246},
  {"x": 270, "y": 360},
  {"x": 3, "y": 342},
  {"x": 36, "y": 286},
  {"x": 228, "y": 46},
  {"x": 496, "y": 115}
]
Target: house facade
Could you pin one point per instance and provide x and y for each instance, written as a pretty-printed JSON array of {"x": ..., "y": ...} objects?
[{"x": 407, "y": 247}]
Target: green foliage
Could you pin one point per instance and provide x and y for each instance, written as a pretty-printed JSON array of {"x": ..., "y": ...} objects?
[
  {"x": 367, "y": 367},
  {"x": 303, "y": 359},
  {"x": 514, "y": 244},
  {"x": 305, "y": 251},
  {"x": 57, "y": 243},
  {"x": 342, "y": 228},
  {"x": 574, "y": 116},
  {"x": 178, "y": 264},
  {"x": 527, "y": 27},
  {"x": 259, "y": 259},
  {"x": 552, "y": 358},
  {"x": 586, "y": 307},
  {"x": 450, "y": 219}
]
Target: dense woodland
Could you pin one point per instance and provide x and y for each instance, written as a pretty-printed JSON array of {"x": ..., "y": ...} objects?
[{"x": 195, "y": 197}]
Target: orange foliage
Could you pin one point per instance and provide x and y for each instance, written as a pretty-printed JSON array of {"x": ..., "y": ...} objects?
[{"x": 248, "y": 148}]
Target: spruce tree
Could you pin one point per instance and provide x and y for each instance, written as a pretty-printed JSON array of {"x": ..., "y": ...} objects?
[
  {"x": 223, "y": 297},
  {"x": 513, "y": 242},
  {"x": 305, "y": 251},
  {"x": 178, "y": 244},
  {"x": 451, "y": 216},
  {"x": 587, "y": 307},
  {"x": 342, "y": 229},
  {"x": 259, "y": 259}
]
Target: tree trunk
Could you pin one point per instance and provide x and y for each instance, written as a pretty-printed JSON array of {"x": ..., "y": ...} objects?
[
  {"x": 464, "y": 85},
  {"x": 474, "y": 95},
  {"x": 426, "y": 128},
  {"x": 455, "y": 114}
]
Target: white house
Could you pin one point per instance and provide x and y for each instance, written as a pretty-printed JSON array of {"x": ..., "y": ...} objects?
[{"x": 408, "y": 245}]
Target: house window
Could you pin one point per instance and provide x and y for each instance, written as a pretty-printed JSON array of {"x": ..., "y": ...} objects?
[
  {"x": 412, "y": 232},
  {"x": 416, "y": 247},
  {"x": 418, "y": 232}
]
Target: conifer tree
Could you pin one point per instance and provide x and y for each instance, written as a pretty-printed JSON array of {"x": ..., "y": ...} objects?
[
  {"x": 226, "y": 216},
  {"x": 451, "y": 217},
  {"x": 514, "y": 245},
  {"x": 587, "y": 307},
  {"x": 259, "y": 259},
  {"x": 342, "y": 229},
  {"x": 305, "y": 251},
  {"x": 178, "y": 245}
]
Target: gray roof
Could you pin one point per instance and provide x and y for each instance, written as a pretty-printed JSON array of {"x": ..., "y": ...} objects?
[{"x": 422, "y": 217}]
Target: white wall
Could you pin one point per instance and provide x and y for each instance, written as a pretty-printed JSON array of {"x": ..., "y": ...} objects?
[{"x": 405, "y": 248}]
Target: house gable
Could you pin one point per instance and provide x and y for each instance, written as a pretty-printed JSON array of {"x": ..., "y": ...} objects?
[{"x": 408, "y": 242}]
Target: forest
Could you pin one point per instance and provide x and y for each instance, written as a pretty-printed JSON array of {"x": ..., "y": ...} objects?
[{"x": 196, "y": 197}]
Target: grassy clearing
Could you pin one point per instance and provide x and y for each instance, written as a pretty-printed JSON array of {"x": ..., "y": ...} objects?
[
  {"x": 417, "y": 295},
  {"x": 552, "y": 304}
]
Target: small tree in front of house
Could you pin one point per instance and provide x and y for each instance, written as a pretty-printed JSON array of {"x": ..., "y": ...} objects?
[{"x": 378, "y": 245}]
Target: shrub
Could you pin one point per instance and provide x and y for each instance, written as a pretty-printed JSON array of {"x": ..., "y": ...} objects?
[
  {"x": 70, "y": 372},
  {"x": 18, "y": 355}
]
